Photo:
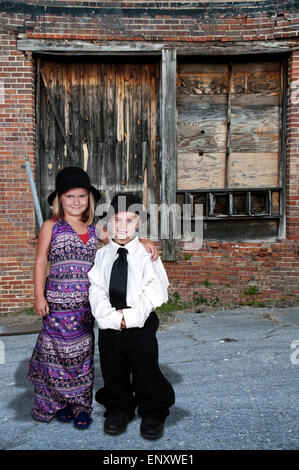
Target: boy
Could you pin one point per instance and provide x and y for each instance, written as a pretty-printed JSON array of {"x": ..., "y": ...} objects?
[{"x": 125, "y": 287}]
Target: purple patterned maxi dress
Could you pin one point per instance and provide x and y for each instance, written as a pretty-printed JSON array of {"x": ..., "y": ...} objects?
[{"x": 61, "y": 366}]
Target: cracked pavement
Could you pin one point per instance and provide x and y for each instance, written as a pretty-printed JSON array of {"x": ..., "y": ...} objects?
[{"x": 235, "y": 375}]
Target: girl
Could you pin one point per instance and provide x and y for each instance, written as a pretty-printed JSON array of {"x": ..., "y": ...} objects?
[{"x": 61, "y": 367}]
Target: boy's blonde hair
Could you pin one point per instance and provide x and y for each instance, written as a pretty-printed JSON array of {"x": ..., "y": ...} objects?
[{"x": 87, "y": 216}]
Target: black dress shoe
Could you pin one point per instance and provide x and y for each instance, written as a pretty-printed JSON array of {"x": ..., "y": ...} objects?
[
  {"x": 151, "y": 427},
  {"x": 117, "y": 421}
]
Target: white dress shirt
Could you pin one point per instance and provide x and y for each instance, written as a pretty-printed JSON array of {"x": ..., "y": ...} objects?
[{"x": 146, "y": 286}]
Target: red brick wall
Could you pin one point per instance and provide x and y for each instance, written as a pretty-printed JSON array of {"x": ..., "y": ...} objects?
[
  {"x": 17, "y": 219},
  {"x": 232, "y": 269},
  {"x": 229, "y": 267},
  {"x": 158, "y": 21}
]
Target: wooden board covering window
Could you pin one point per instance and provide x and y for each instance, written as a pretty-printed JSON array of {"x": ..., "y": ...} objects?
[
  {"x": 228, "y": 125},
  {"x": 104, "y": 117}
]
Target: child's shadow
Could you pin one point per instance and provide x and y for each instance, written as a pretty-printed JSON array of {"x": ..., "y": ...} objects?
[
  {"x": 176, "y": 413},
  {"x": 22, "y": 403}
]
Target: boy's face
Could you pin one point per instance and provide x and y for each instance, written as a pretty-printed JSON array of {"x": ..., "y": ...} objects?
[{"x": 123, "y": 226}]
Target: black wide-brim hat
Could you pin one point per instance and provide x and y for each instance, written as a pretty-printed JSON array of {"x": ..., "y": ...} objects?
[
  {"x": 72, "y": 177},
  {"x": 126, "y": 202}
]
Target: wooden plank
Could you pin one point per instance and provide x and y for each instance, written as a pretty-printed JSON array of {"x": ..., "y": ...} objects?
[
  {"x": 136, "y": 176},
  {"x": 75, "y": 114},
  {"x": 253, "y": 67},
  {"x": 110, "y": 124},
  {"x": 228, "y": 134},
  {"x": 255, "y": 119},
  {"x": 120, "y": 91},
  {"x": 199, "y": 67},
  {"x": 262, "y": 82},
  {"x": 147, "y": 129},
  {"x": 283, "y": 148},
  {"x": 129, "y": 85},
  {"x": 201, "y": 171},
  {"x": 256, "y": 99},
  {"x": 258, "y": 142},
  {"x": 168, "y": 135},
  {"x": 208, "y": 136},
  {"x": 253, "y": 169},
  {"x": 59, "y": 97},
  {"x": 236, "y": 48},
  {"x": 203, "y": 83},
  {"x": 202, "y": 104},
  {"x": 127, "y": 47},
  {"x": 201, "y": 123},
  {"x": 85, "y": 47},
  {"x": 156, "y": 140},
  {"x": 67, "y": 112},
  {"x": 94, "y": 124},
  {"x": 90, "y": 121}
]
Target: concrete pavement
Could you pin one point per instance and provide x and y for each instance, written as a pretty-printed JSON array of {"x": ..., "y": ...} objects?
[{"x": 235, "y": 375}]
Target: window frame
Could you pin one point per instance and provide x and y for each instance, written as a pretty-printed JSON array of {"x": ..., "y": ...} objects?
[{"x": 230, "y": 192}]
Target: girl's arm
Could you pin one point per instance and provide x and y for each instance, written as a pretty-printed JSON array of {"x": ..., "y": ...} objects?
[
  {"x": 102, "y": 233},
  {"x": 41, "y": 307},
  {"x": 151, "y": 248},
  {"x": 152, "y": 294}
]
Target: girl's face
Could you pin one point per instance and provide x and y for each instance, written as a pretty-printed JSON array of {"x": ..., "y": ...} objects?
[
  {"x": 123, "y": 226},
  {"x": 74, "y": 201}
]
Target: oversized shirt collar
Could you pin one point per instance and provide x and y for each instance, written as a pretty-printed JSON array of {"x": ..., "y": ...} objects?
[{"x": 131, "y": 246}]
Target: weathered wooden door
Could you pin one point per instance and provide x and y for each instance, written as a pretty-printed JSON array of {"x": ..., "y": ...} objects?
[{"x": 104, "y": 117}]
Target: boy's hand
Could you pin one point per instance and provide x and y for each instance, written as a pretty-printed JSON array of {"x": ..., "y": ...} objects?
[
  {"x": 41, "y": 307},
  {"x": 123, "y": 324}
]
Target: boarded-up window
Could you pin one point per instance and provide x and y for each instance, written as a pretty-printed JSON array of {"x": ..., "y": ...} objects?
[{"x": 229, "y": 133}]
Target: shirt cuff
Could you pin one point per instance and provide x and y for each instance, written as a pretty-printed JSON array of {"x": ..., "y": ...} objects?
[
  {"x": 113, "y": 322},
  {"x": 131, "y": 318}
]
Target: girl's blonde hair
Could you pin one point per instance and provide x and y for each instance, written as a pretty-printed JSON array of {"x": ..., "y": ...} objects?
[{"x": 87, "y": 216}]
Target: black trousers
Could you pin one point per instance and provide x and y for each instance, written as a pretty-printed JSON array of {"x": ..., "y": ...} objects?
[{"x": 131, "y": 373}]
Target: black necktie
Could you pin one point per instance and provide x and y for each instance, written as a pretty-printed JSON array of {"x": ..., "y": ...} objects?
[{"x": 118, "y": 280}]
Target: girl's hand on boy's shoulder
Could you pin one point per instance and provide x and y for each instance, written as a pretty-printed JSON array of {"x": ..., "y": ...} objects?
[{"x": 151, "y": 248}]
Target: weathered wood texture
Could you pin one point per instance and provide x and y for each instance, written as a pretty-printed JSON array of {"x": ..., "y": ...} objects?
[
  {"x": 103, "y": 117},
  {"x": 168, "y": 159},
  {"x": 125, "y": 47},
  {"x": 238, "y": 119}
]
